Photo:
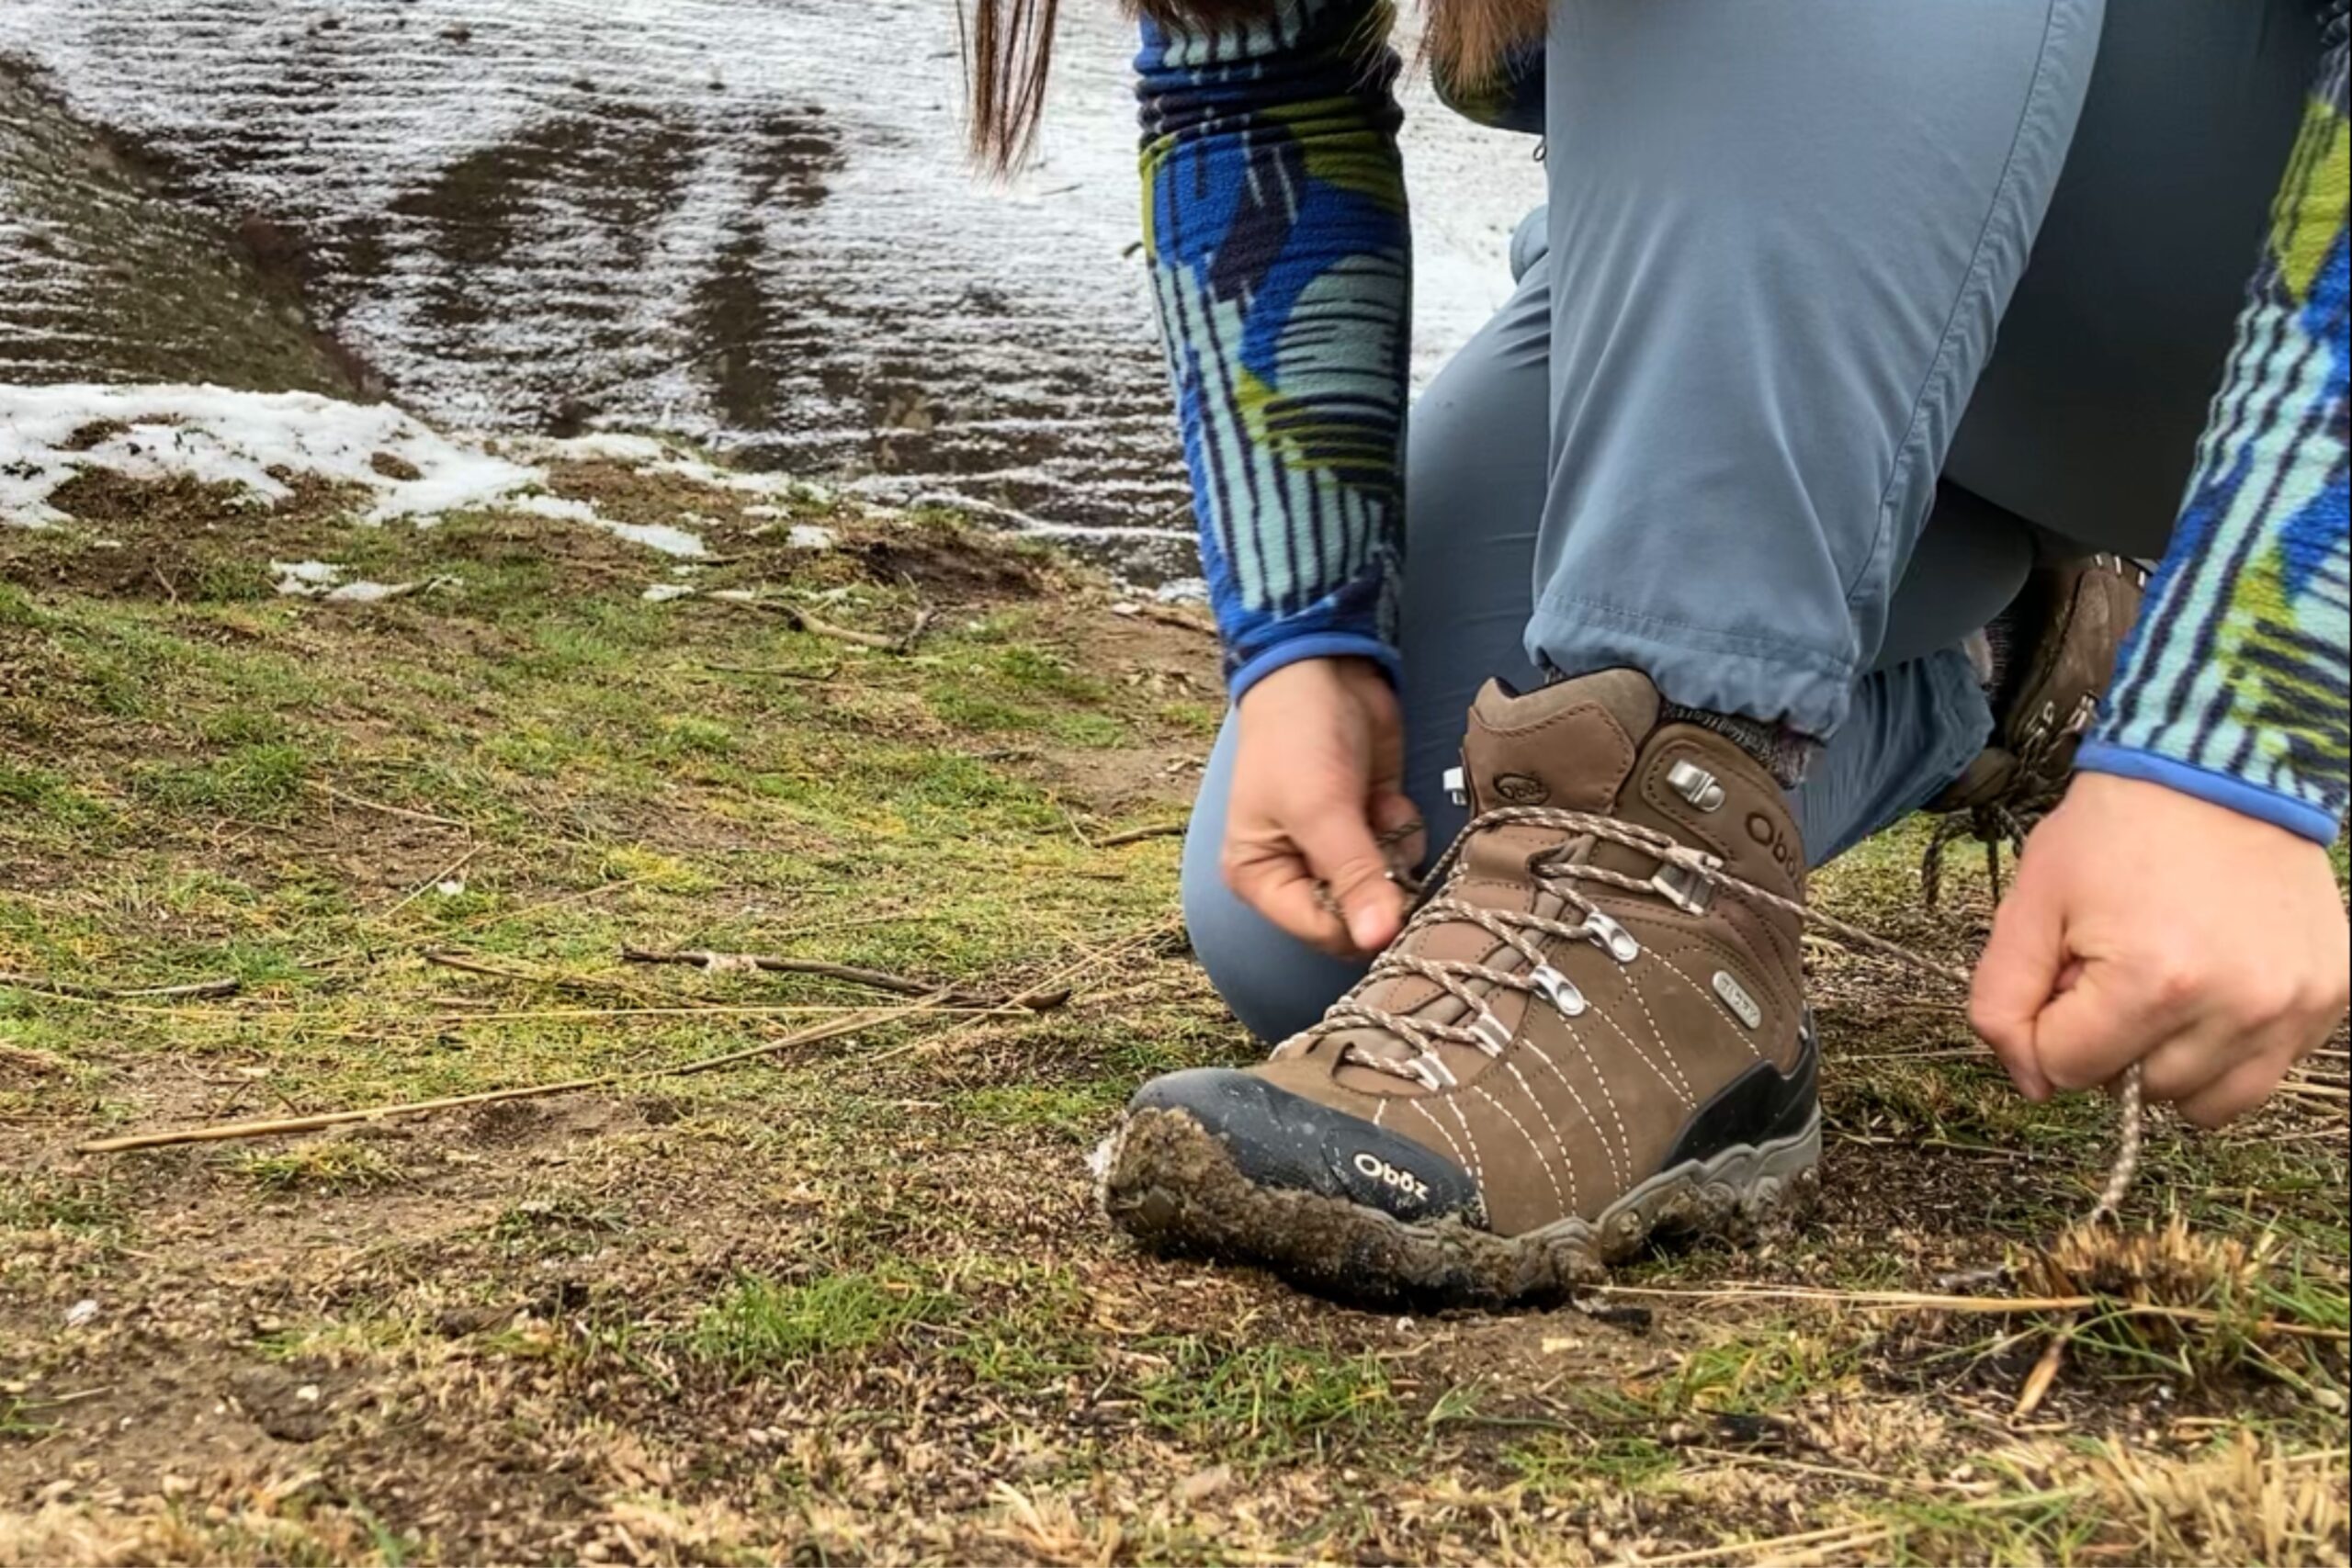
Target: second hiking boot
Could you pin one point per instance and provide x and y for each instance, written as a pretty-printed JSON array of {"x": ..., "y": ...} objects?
[{"x": 1575, "y": 1040}]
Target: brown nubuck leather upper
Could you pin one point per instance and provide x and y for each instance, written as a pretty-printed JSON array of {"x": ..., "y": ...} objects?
[
  {"x": 1574, "y": 1111},
  {"x": 2077, "y": 614}
]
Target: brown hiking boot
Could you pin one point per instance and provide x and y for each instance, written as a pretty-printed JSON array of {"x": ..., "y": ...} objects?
[
  {"x": 1575, "y": 1040},
  {"x": 2076, "y": 614}
]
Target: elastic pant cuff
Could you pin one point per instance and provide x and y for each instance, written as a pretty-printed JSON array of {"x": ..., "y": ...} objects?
[{"x": 1695, "y": 667}]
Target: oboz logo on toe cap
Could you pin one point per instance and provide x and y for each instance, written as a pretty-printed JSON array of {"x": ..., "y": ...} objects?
[
  {"x": 1372, "y": 1167},
  {"x": 1521, "y": 789}
]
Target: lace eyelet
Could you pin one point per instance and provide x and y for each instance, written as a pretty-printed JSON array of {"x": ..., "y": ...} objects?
[
  {"x": 1559, "y": 990},
  {"x": 1611, "y": 938}
]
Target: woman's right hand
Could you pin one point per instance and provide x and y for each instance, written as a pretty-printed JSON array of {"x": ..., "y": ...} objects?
[{"x": 1318, "y": 777}]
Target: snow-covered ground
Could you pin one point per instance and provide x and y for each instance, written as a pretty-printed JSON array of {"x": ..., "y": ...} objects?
[
  {"x": 747, "y": 222},
  {"x": 264, "y": 444}
]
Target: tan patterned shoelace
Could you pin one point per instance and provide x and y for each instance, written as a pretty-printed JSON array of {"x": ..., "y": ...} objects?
[{"x": 1409, "y": 1051}]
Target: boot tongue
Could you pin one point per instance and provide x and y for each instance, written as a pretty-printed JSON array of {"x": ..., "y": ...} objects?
[{"x": 1570, "y": 745}]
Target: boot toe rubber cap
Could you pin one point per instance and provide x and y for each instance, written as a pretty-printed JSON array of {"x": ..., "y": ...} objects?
[{"x": 1286, "y": 1141}]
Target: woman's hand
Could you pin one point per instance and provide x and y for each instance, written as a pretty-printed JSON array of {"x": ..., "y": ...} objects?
[
  {"x": 1318, "y": 777},
  {"x": 2149, "y": 926}
]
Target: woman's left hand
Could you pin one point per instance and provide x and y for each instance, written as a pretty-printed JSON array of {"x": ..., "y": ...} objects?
[{"x": 2149, "y": 926}]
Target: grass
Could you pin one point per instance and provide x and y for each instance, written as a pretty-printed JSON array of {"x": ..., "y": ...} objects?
[
  {"x": 854, "y": 1301},
  {"x": 1262, "y": 1402},
  {"x": 322, "y": 1167},
  {"x": 761, "y": 1325}
]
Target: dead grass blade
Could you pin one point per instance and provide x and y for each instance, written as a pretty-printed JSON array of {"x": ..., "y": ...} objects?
[
  {"x": 1138, "y": 835},
  {"x": 1995, "y": 1307},
  {"x": 222, "y": 1132},
  {"x": 202, "y": 990},
  {"x": 873, "y": 979}
]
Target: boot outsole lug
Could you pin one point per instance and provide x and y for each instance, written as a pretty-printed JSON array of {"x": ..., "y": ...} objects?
[{"x": 1171, "y": 1185}]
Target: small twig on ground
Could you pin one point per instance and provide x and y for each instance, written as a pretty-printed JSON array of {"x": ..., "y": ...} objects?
[
  {"x": 1168, "y": 617},
  {"x": 2044, "y": 1373},
  {"x": 1071, "y": 979},
  {"x": 800, "y": 620},
  {"x": 389, "y": 810},
  {"x": 227, "y": 1131},
  {"x": 466, "y": 965},
  {"x": 1138, "y": 835},
  {"x": 494, "y": 916},
  {"x": 874, "y": 979},
  {"x": 436, "y": 880},
  {"x": 778, "y": 671},
  {"x": 200, "y": 990},
  {"x": 1993, "y": 1305}
]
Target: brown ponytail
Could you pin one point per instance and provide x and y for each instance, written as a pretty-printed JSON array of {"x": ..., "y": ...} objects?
[{"x": 1009, "y": 48}]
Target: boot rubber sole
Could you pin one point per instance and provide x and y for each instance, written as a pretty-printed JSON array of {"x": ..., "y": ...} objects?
[{"x": 1166, "y": 1182}]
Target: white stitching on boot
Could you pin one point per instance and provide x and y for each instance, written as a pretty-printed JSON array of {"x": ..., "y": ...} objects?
[
  {"x": 1599, "y": 1133},
  {"x": 1465, "y": 1161},
  {"x": 1659, "y": 1035},
  {"x": 1559, "y": 1198},
  {"x": 1625, "y": 1140},
  {"x": 1681, "y": 1089},
  {"x": 1477, "y": 1167}
]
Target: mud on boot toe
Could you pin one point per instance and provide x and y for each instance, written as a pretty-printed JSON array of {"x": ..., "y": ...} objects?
[{"x": 1285, "y": 1142}]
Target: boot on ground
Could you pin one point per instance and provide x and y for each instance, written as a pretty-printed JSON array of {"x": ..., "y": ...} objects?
[{"x": 1578, "y": 1040}]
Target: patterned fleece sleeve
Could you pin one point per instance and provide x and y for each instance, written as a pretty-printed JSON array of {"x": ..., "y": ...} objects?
[
  {"x": 2234, "y": 685},
  {"x": 1274, "y": 222}
]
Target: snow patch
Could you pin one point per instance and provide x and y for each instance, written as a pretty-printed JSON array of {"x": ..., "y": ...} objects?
[
  {"x": 1182, "y": 590},
  {"x": 324, "y": 580},
  {"x": 258, "y": 442},
  {"x": 517, "y": 209},
  {"x": 217, "y": 435},
  {"x": 305, "y": 578}
]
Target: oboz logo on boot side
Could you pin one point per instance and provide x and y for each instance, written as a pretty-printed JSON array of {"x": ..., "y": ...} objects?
[
  {"x": 1736, "y": 998},
  {"x": 1766, "y": 833},
  {"x": 1372, "y": 1167},
  {"x": 1521, "y": 789}
]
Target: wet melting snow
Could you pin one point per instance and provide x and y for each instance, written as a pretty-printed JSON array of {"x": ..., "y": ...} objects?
[
  {"x": 215, "y": 436},
  {"x": 264, "y": 442}
]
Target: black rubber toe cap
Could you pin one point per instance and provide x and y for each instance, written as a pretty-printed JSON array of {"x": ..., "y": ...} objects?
[{"x": 1284, "y": 1141}]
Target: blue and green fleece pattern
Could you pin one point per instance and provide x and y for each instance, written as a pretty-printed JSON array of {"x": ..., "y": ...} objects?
[
  {"x": 1281, "y": 251},
  {"x": 1282, "y": 256},
  {"x": 2234, "y": 684}
]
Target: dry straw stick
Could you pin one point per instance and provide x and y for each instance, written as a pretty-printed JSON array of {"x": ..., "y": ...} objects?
[
  {"x": 222, "y": 1132},
  {"x": 1138, "y": 835},
  {"x": 873, "y": 979},
  {"x": 1999, "y": 1306},
  {"x": 200, "y": 990}
]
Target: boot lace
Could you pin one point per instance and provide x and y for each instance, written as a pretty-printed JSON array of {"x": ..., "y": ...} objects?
[
  {"x": 2035, "y": 789},
  {"x": 1684, "y": 877}
]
